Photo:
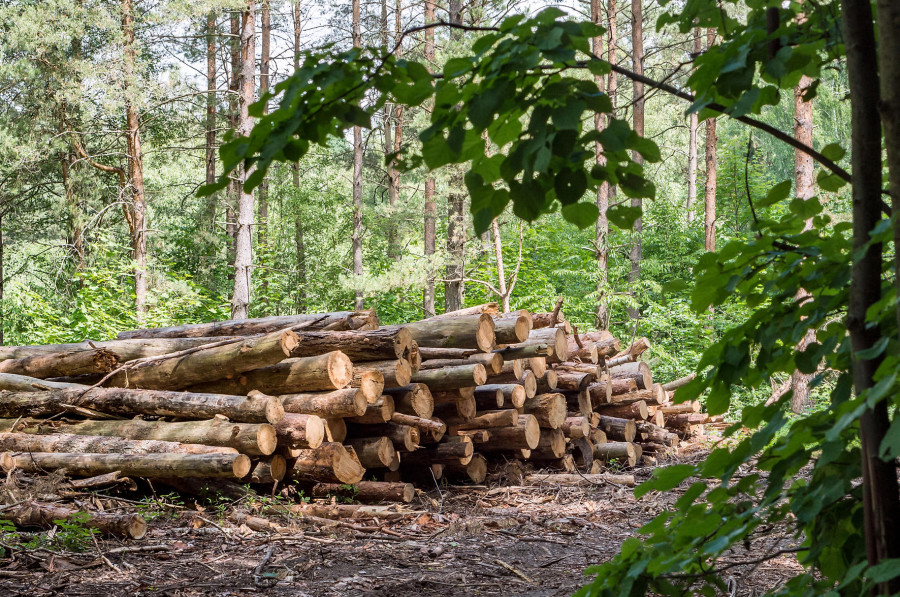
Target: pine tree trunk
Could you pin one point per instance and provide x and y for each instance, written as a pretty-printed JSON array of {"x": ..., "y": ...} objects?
[
  {"x": 430, "y": 206},
  {"x": 208, "y": 226},
  {"x": 601, "y": 239},
  {"x": 356, "y": 235},
  {"x": 263, "y": 209},
  {"x": 692, "y": 143},
  {"x": 709, "y": 242},
  {"x": 454, "y": 286},
  {"x": 299, "y": 242},
  {"x": 637, "y": 43}
]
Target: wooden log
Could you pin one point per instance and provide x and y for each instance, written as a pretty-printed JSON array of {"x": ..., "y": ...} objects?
[
  {"x": 639, "y": 372},
  {"x": 554, "y": 337},
  {"x": 548, "y": 383},
  {"x": 618, "y": 429},
  {"x": 431, "y": 354},
  {"x": 423, "y": 424},
  {"x": 465, "y": 331},
  {"x": 573, "y": 381},
  {"x": 583, "y": 480},
  {"x": 330, "y": 463},
  {"x": 486, "y": 420},
  {"x": 257, "y": 408},
  {"x": 135, "y": 465},
  {"x": 359, "y": 345},
  {"x": 23, "y": 383},
  {"x": 537, "y": 365},
  {"x": 395, "y": 373},
  {"x": 597, "y": 436},
  {"x": 368, "y": 491},
  {"x": 599, "y": 393},
  {"x": 676, "y": 409},
  {"x": 586, "y": 352},
  {"x": 491, "y": 397},
  {"x": 657, "y": 434},
  {"x": 492, "y": 361},
  {"x": 445, "y": 397},
  {"x": 478, "y": 436},
  {"x": 370, "y": 383},
  {"x": 414, "y": 357},
  {"x": 300, "y": 431},
  {"x": 475, "y": 470},
  {"x": 582, "y": 452},
  {"x": 486, "y": 308},
  {"x": 685, "y": 421},
  {"x": 657, "y": 418},
  {"x": 458, "y": 451},
  {"x": 513, "y": 395},
  {"x": 267, "y": 470},
  {"x": 525, "y": 435},
  {"x": 449, "y": 378},
  {"x": 413, "y": 399},
  {"x": 551, "y": 446},
  {"x": 99, "y": 444},
  {"x": 576, "y": 426},
  {"x": 583, "y": 401},
  {"x": 549, "y": 409},
  {"x": 607, "y": 345},
  {"x": 33, "y": 514},
  {"x": 595, "y": 371},
  {"x": 326, "y": 372},
  {"x": 635, "y": 410},
  {"x": 622, "y": 451},
  {"x": 636, "y": 349},
  {"x": 60, "y": 364},
  {"x": 335, "y": 429},
  {"x": 681, "y": 381},
  {"x": 551, "y": 320},
  {"x": 380, "y": 411},
  {"x": 404, "y": 437},
  {"x": 512, "y": 328},
  {"x": 524, "y": 351},
  {"x": 126, "y": 350},
  {"x": 652, "y": 397},
  {"x": 374, "y": 452},
  {"x": 255, "y": 439},
  {"x": 349, "y": 402},
  {"x": 342, "y": 320}
]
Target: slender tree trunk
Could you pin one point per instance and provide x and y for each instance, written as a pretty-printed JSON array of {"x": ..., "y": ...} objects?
[
  {"x": 501, "y": 273},
  {"x": 388, "y": 128},
  {"x": 601, "y": 239},
  {"x": 394, "y": 173},
  {"x": 298, "y": 220},
  {"x": 136, "y": 166},
  {"x": 637, "y": 43},
  {"x": 2, "y": 282},
  {"x": 234, "y": 87},
  {"x": 209, "y": 223},
  {"x": 356, "y": 238},
  {"x": 243, "y": 253},
  {"x": 455, "y": 286},
  {"x": 692, "y": 143},
  {"x": 262, "y": 241},
  {"x": 430, "y": 206},
  {"x": 880, "y": 492},
  {"x": 710, "y": 200}
]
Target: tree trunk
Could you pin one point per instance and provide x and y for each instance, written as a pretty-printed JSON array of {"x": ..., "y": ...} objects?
[
  {"x": 888, "y": 47},
  {"x": 154, "y": 466},
  {"x": 709, "y": 242},
  {"x": 299, "y": 242},
  {"x": 692, "y": 143},
  {"x": 262, "y": 241},
  {"x": 243, "y": 253},
  {"x": 455, "y": 286},
  {"x": 430, "y": 206},
  {"x": 601, "y": 239},
  {"x": 234, "y": 88},
  {"x": 356, "y": 235},
  {"x": 99, "y": 444},
  {"x": 208, "y": 226},
  {"x": 126, "y": 350},
  {"x": 470, "y": 331},
  {"x": 637, "y": 43},
  {"x": 46, "y": 516},
  {"x": 880, "y": 491},
  {"x": 338, "y": 320}
]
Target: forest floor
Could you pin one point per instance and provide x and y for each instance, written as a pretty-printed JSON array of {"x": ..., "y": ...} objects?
[{"x": 496, "y": 539}]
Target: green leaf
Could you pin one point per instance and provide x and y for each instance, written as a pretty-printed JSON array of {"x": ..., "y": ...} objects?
[
  {"x": 666, "y": 478},
  {"x": 570, "y": 186},
  {"x": 829, "y": 182},
  {"x": 833, "y": 151},
  {"x": 779, "y": 192},
  {"x": 623, "y": 216},
  {"x": 581, "y": 214}
]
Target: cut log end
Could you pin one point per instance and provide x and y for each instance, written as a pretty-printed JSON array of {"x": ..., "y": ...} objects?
[
  {"x": 340, "y": 369},
  {"x": 241, "y": 466}
]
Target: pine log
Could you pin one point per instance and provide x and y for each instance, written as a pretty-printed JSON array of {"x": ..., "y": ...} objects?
[
  {"x": 61, "y": 364},
  {"x": 514, "y": 395},
  {"x": 447, "y": 452},
  {"x": 476, "y": 470},
  {"x": 404, "y": 437},
  {"x": 450, "y": 378},
  {"x": 486, "y": 420},
  {"x": 585, "y": 480},
  {"x": 99, "y": 444},
  {"x": 341, "y": 320},
  {"x": 267, "y": 470},
  {"x": 624, "y": 451},
  {"x": 23, "y": 383},
  {"x": 300, "y": 431},
  {"x": 678, "y": 409},
  {"x": 639, "y": 372},
  {"x": 512, "y": 328},
  {"x": 349, "y": 402},
  {"x": 380, "y": 411},
  {"x": 586, "y": 352},
  {"x": 525, "y": 435},
  {"x": 554, "y": 337},
  {"x": 444, "y": 397},
  {"x": 576, "y": 426},
  {"x": 370, "y": 383},
  {"x": 330, "y": 463},
  {"x": 486, "y": 308},
  {"x": 136, "y": 465},
  {"x": 491, "y": 397},
  {"x": 657, "y": 434},
  {"x": 548, "y": 383},
  {"x": 524, "y": 351},
  {"x": 421, "y": 423},
  {"x": 537, "y": 365},
  {"x": 368, "y": 491},
  {"x": 465, "y": 331},
  {"x": 33, "y": 514},
  {"x": 635, "y": 410},
  {"x": 492, "y": 361},
  {"x": 607, "y": 345},
  {"x": 549, "y": 409},
  {"x": 335, "y": 430},
  {"x": 255, "y": 439},
  {"x": 551, "y": 446},
  {"x": 326, "y": 372},
  {"x": 572, "y": 381},
  {"x": 617, "y": 429},
  {"x": 374, "y": 452},
  {"x": 396, "y": 373},
  {"x": 681, "y": 381},
  {"x": 599, "y": 393},
  {"x": 437, "y": 354},
  {"x": 413, "y": 399},
  {"x": 683, "y": 422},
  {"x": 359, "y": 345}
]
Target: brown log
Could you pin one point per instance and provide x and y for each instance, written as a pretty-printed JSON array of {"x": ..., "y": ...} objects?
[
  {"x": 547, "y": 320},
  {"x": 548, "y": 383},
  {"x": 300, "y": 431},
  {"x": 573, "y": 367},
  {"x": 576, "y": 426},
  {"x": 585, "y": 353},
  {"x": 447, "y": 452},
  {"x": 450, "y": 378},
  {"x": 99, "y": 444},
  {"x": 582, "y": 451},
  {"x": 635, "y": 410},
  {"x": 607, "y": 345},
  {"x": 525, "y": 351},
  {"x": 396, "y": 373},
  {"x": 335, "y": 430},
  {"x": 404, "y": 437},
  {"x": 326, "y": 372},
  {"x": 512, "y": 328},
  {"x": 572, "y": 381},
  {"x": 61, "y": 364},
  {"x": 678, "y": 409},
  {"x": 380, "y": 411},
  {"x": 537, "y": 365},
  {"x": 599, "y": 393},
  {"x": 23, "y": 383},
  {"x": 368, "y": 491},
  {"x": 374, "y": 452},
  {"x": 585, "y": 480},
  {"x": 478, "y": 436},
  {"x": 267, "y": 470},
  {"x": 657, "y": 434},
  {"x": 639, "y": 372},
  {"x": 657, "y": 418},
  {"x": 135, "y": 465},
  {"x": 435, "y": 435},
  {"x": 370, "y": 383},
  {"x": 423, "y": 424},
  {"x": 104, "y": 480},
  {"x": 491, "y": 397},
  {"x": 492, "y": 361},
  {"x": 444, "y": 397},
  {"x": 683, "y": 422},
  {"x": 359, "y": 345},
  {"x": 554, "y": 337},
  {"x": 583, "y": 401},
  {"x": 126, "y": 350},
  {"x": 413, "y": 399},
  {"x": 598, "y": 436},
  {"x": 549, "y": 409},
  {"x": 486, "y": 308},
  {"x": 341, "y": 320},
  {"x": 330, "y": 463},
  {"x": 486, "y": 420},
  {"x": 464, "y": 331},
  {"x": 551, "y": 446},
  {"x": 514, "y": 395},
  {"x": 681, "y": 381},
  {"x": 45, "y": 516},
  {"x": 431, "y": 354},
  {"x": 349, "y": 402},
  {"x": 618, "y": 429},
  {"x": 623, "y": 451},
  {"x": 637, "y": 348},
  {"x": 476, "y": 470},
  {"x": 525, "y": 435}
]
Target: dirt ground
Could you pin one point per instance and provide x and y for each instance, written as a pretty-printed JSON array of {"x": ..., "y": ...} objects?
[{"x": 494, "y": 539}]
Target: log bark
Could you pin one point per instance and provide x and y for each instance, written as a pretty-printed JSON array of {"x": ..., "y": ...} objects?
[
  {"x": 450, "y": 378},
  {"x": 654, "y": 396},
  {"x": 492, "y": 361},
  {"x": 490, "y": 398},
  {"x": 654, "y": 433},
  {"x": 681, "y": 409},
  {"x": 396, "y": 373},
  {"x": 99, "y": 444},
  {"x": 682, "y": 422},
  {"x": 681, "y": 381},
  {"x": 126, "y": 350},
  {"x": 606, "y": 344},
  {"x": 512, "y": 328},
  {"x": 639, "y": 372},
  {"x": 404, "y": 437},
  {"x": 371, "y": 383},
  {"x": 23, "y": 383},
  {"x": 444, "y": 397},
  {"x": 368, "y": 491},
  {"x": 379, "y": 411},
  {"x": 476, "y": 470},
  {"x": 576, "y": 426},
  {"x": 153, "y": 466},
  {"x": 374, "y": 452},
  {"x": 527, "y": 381},
  {"x": 549, "y": 409},
  {"x": 573, "y": 381},
  {"x": 35, "y": 514},
  {"x": 617, "y": 429},
  {"x": 586, "y": 353},
  {"x": 599, "y": 393},
  {"x": 349, "y": 402},
  {"x": 582, "y": 451},
  {"x": 524, "y": 436},
  {"x": 524, "y": 351},
  {"x": 268, "y": 470},
  {"x": 339, "y": 320},
  {"x": 459, "y": 451},
  {"x": 421, "y": 423},
  {"x": 485, "y": 308},
  {"x": 634, "y": 410},
  {"x": 465, "y": 331},
  {"x": 551, "y": 446},
  {"x": 513, "y": 395},
  {"x": 624, "y": 451},
  {"x": 359, "y": 345},
  {"x": 330, "y": 463},
  {"x": 332, "y": 371},
  {"x": 414, "y": 399},
  {"x": 552, "y": 337},
  {"x": 547, "y": 383},
  {"x": 300, "y": 431},
  {"x": 486, "y": 420},
  {"x": 63, "y": 364}
]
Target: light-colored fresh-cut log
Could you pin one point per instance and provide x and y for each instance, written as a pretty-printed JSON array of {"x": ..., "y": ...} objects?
[
  {"x": 340, "y": 320},
  {"x": 492, "y": 361},
  {"x": 335, "y": 430},
  {"x": 487, "y": 420},
  {"x": 99, "y": 444},
  {"x": 487, "y": 308},
  {"x": 404, "y": 437},
  {"x": 538, "y": 365},
  {"x": 63, "y": 364},
  {"x": 681, "y": 409},
  {"x": 33, "y": 514},
  {"x": 267, "y": 470},
  {"x": 639, "y": 372},
  {"x": 414, "y": 399},
  {"x": 448, "y": 378},
  {"x": 444, "y": 397},
  {"x": 478, "y": 436},
  {"x": 414, "y": 357},
  {"x": 255, "y": 439},
  {"x": 586, "y": 352},
  {"x": 126, "y": 350},
  {"x": 370, "y": 383},
  {"x": 624, "y": 451},
  {"x": 380, "y": 411},
  {"x": 620, "y": 386},
  {"x": 635, "y": 410},
  {"x": 573, "y": 381},
  {"x": 421, "y": 423},
  {"x": 511, "y": 372},
  {"x": 513, "y": 395},
  {"x": 476, "y": 470},
  {"x": 576, "y": 426},
  {"x": 527, "y": 381},
  {"x": 256, "y": 408},
  {"x": 465, "y": 406},
  {"x": 548, "y": 383},
  {"x": 435, "y": 434},
  {"x": 300, "y": 431},
  {"x": 657, "y": 418},
  {"x": 685, "y": 421},
  {"x": 583, "y": 401},
  {"x": 368, "y": 491},
  {"x": 136, "y": 465},
  {"x": 681, "y": 381},
  {"x": 359, "y": 345},
  {"x": 459, "y": 451},
  {"x": 374, "y": 452},
  {"x": 525, "y": 351},
  {"x": 524, "y": 436},
  {"x": 490, "y": 399},
  {"x": 637, "y": 348},
  {"x": 23, "y": 383},
  {"x": 551, "y": 446},
  {"x": 554, "y": 337},
  {"x": 512, "y": 329},
  {"x": 618, "y": 429},
  {"x": 465, "y": 331},
  {"x": 326, "y": 372},
  {"x": 349, "y": 402},
  {"x": 396, "y": 373},
  {"x": 206, "y": 364},
  {"x": 598, "y": 436},
  {"x": 599, "y": 393},
  {"x": 653, "y": 397},
  {"x": 584, "y": 480},
  {"x": 436, "y": 354},
  {"x": 549, "y": 409},
  {"x": 607, "y": 345},
  {"x": 329, "y": 463},
  {"x": 657, "y": 434}
]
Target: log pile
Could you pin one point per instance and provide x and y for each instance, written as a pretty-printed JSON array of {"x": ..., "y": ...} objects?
[{"x": 326, "y": 400}]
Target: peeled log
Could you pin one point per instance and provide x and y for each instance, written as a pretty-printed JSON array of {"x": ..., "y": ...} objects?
[
  {"x": 326, "y": 372},
  {"x": 618, "y": 429},
  {"x": 374, "y": 452},
  {"x": 349, "y": 402},
  {"x": 465, "y": 331},
  {"x": 342, "y": 320},
  {"x": 487, "y": 308},
  {"x": 512, "y": 329},
  {"x": 685, "y": 421},
  {"x": 129, "y": 402},
  {"x": 639, "y": 372},
  {"x": 681, "y": 409},
  {"x": 449, "y": 378},
  {"x": 624, "y": 451},
  {"x": 300, "y": 431},
  {"x": 99, "y": 444},
  {"x": 414, "y": 399},
  {"x": 330, "y": 463},
  {"x": 379, "y": 411},
  {"x": 63, "y": 364},
  {"x": 396, "y": 373},
  {"x": 524, "y": 436},
  {"x": 153, "y": 466},
  {"x": 681, "y": 381},
  {"x": 255, "y": 439},
  {"x": 368, "y": 491},
  {"x": 45, "y": 516}
]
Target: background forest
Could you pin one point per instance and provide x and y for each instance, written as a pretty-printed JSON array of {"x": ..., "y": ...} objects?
[{"x": 83, "y": 93}]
